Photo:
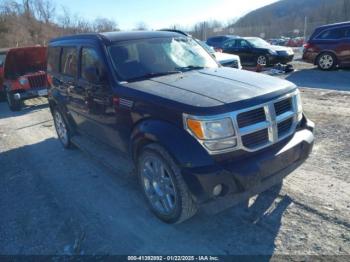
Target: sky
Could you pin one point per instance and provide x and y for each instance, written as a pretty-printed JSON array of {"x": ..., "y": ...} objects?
[{"x": 157, "y": 14}]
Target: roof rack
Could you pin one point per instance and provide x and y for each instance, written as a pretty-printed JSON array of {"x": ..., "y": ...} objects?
[
  {"x": 175, "y": 31},
  {"x": 78, "y": 36}
]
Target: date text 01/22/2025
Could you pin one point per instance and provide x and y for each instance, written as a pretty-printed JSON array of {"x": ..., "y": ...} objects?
[{"x": 173, "y": 258}]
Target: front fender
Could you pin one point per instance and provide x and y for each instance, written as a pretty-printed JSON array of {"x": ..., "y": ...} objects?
[{"x": 186, "y": 151}]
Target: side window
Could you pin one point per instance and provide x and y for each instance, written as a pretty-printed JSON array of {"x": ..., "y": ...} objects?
[
  {"x": 242, "y": 44},
  {"x": 330, "y": 34},
  {"x": 229, "y": 44},
  {"x": 53, "y": 60},
  {"x": 89, "y": 58},
  {"x": 69, "y": 61}
]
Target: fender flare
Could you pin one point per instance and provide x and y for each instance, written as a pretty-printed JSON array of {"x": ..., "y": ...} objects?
[{"x": 183, "y": 147}]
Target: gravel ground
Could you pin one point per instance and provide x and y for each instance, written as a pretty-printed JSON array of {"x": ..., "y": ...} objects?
[{"x": 56, "y": 201}]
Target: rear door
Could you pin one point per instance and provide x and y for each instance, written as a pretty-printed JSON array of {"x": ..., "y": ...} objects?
[
  {"x": 345, "y": 46},
  {"x": 68, "y": 84},
  {"x": 245, "y": 51}
]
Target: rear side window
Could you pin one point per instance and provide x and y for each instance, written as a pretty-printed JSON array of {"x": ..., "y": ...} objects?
[
  {"x": 89, "y": 58},
  {"x": 242, "y": 43},
  {"x": 336, "y": 33},
  {"x": 53, "y": 60},
  {"x": 69, "y": 61},
  {"x": 230, "y": 43}
]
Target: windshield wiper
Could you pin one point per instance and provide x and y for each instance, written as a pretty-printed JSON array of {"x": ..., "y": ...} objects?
[
  {"x": 189, "y": 68},
  {"x": 154, "y": 74}
]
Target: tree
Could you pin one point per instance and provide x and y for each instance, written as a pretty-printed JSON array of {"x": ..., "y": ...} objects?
[
  {"x": 45, "y": 10},
  {"x": 141, "y": 26},
  {"x": 104, "y": 25}
]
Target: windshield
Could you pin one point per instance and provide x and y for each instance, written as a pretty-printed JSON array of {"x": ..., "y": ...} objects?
[
  {"x": 209, "y": 49},
  {"x": 258, "y": 42},
  {"x": 146, "y": 58}
]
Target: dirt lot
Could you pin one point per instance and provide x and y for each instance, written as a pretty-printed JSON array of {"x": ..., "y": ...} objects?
[{"x": 56, "y": 201}]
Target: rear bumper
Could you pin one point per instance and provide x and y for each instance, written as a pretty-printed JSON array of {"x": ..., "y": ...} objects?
[
  {"x": 30, "y": 93},
  {"x": 309, "y": 57},
  {"x": 255, "y": 173}
]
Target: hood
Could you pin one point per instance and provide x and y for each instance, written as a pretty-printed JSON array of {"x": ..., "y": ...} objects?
[
  {"x": 225, "y": 58},
  {"x": 215, "y": 87},
  {"x": 281, "y": 48},
  {"x": 21, "y": 61}
]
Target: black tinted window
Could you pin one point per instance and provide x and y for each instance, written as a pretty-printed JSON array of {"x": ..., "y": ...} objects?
[
  {"x": 69, "y": 61},
  {"x": 242, "y": 44},
  {"x": 230, "y": 43},
  {"x": 336, "y": 33},
  {"x": 53, "y": 60},
  {"x": 89, "y": 58}
]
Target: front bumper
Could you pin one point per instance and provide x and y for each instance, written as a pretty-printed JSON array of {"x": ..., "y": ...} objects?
[
  {"x": 30, "y": 93},
  {"x": 253, "y": 174}
]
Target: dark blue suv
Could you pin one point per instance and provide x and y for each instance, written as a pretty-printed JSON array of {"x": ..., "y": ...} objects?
[{"x": 198, "y": 134}]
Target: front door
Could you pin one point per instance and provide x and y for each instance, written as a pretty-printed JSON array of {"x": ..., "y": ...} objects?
[{"x": 99, "y": 113}]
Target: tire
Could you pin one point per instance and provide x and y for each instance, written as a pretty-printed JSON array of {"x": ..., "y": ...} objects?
[
  {"x": 262, "y": 60},
  {"x": 62, "y": 128},
  {"x": 14, "y": 105},
  {"x": 326, "y": 61},
  {"x": 163, "y": 185}
]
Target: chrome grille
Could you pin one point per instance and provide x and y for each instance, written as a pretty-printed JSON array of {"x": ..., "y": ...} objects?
[
  {"x": 260, "y": 126},
  {"x": 235, "y": 64},
  {"x": 38, "y": 81},
  {"x": 256, "y": 139},
  {"x": 284, "y": 127},
  {"x": 263, "y": 125},
  {"x": 283, "y": 106},
  {"x": 251, "y": 117}
]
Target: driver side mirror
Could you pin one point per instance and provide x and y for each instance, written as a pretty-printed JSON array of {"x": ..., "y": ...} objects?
[{"x": 95, "y": 75}]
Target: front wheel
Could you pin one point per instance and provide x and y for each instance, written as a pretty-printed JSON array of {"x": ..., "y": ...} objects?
[
  {"x": 14, "y": 104},
  {"x": 326, "y": 61},
  {"x": 61, "y": 127},
  {"x": 163, "y": 185},
  {"x": 262, "y": 60}
]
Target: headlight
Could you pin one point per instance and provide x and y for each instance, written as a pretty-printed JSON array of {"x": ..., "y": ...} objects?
[
  {"x": 299, "y": 106},
  {"x": 216, "y": 134},
  {"x": 23, "y": 81}
]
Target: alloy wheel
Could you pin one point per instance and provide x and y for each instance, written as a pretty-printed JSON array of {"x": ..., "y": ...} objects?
[
  {"x": 158, "y": 184},
  {"x": 261, "y": 60},
  {"x": 326, "y": 61},
  {"x": 61, "y": 128}
]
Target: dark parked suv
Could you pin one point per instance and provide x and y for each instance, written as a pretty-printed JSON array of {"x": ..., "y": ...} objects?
[
  {"x": 197, "y": 133},
  {"x": 329, "y": 46}
]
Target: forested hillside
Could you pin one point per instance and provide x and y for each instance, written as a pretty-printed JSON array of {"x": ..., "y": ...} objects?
[{"x": 287, "y": 17}]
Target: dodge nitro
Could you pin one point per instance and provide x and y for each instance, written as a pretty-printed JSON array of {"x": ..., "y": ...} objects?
[{"x": 197, "y": 133}]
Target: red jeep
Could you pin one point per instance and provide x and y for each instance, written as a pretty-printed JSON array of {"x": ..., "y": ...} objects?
[{"x": 24, "y": 75}]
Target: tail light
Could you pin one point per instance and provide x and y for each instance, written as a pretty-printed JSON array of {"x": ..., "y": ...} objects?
[
  {"x": 307, "y": 46},
  {"x": 116, "y": 102}
]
